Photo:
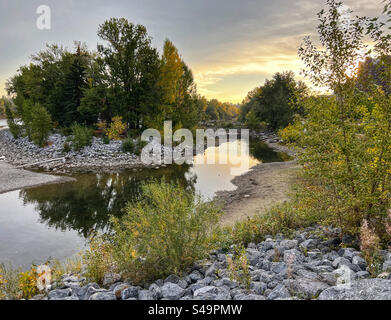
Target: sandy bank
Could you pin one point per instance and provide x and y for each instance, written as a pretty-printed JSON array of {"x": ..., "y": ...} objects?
[{"x": 13, "y": 179}]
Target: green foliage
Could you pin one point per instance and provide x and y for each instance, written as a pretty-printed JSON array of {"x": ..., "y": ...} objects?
[
  {"x": 238, "y": 267},
  {"x": 66, "y": 147},
  {"x": 163, "y": 233},
  {"x": 285, "y": 218},
  {"x": 274, "y": 103},
  {"x": 128, "y": 145},
  {"x": 14, "y": 128},
  {"x": 9, "y": 282},
  {"x": 98, "y": 259},
  {"x": 81, "y": 136},
  {"x": 41, "y": 125},
  {"x": 106, "y": 139},
  {"x": 344, "y": 143}
]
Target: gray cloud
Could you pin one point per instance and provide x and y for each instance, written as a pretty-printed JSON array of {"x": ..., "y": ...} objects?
[{"x": 218, "y": 38}]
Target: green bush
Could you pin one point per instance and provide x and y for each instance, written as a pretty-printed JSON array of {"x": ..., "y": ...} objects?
[
  {"x": 14, "y": 128},
  {"x": 41, "y": 125},
  {"x": 128, "y": 145},
  {"x": 66, "y": 147},
  {"x": 81, "y": 136},
  {"x": 106, "y": 139},
  {"x": 165, "y": 232}
]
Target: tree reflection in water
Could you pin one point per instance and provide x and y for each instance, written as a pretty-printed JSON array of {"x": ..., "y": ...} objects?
[{"x": 87, "y": 204}]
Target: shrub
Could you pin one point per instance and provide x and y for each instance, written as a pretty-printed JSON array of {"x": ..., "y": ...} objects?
[
  {"x": 98, "y": 259},
  {"x": 128, "y": 145},
  {"x": 66, "y": 147},
  {"x": 165, "y": 232},
  {"x": 116, "y": 128},
  {"x": 28, "y": 283},
  {"x": 14, "y": 128},
  {"x": 9, "y": 282},
  {"x": 81, "y": 136},
  {"x": 41, "y": 125},
  {"x": 238, "y": 267},
  {"x": 285, "y": 218},
  {"x": 106, "y": 140},
  {"x": 370, "y": 246}
]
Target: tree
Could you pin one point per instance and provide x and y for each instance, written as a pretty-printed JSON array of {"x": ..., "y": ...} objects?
[
  {"x": 131, "y": 68},
  {"x": 277, "y": 101},
  {"x": 345, "y": 139},
  {"x": 41, "y": 125}
]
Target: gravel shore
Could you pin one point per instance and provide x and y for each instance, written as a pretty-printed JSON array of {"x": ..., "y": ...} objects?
[{"x": 12, "y": 178}]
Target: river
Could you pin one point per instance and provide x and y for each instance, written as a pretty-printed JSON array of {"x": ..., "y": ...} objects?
[{"x": 54, "y": 221}]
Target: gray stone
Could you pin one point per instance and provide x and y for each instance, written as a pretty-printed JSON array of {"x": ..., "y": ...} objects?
[
  {"x": 293, "y": 256},
  {"x": 243, "y": 296},
  {"x": 59, "y": 294},
  {"x": 357, "y": 260},
  {"x": 363, "y": 275},
  {"x": 309, "y": 244},
  {"x": 211, "y": 270},
  {"x": 212, "y": 293},
  {"x": 195, "y": 276},
  {"x": 278, "y": 267},
  {"x": 258, "y": 287},
  {"x": 387, "y": 265},
  {"x": 131, "y": 292},
  {"x": 156, "y": 291},
  {"x": 288, "y": 244},
  {"x": 146, "y": 295},
  {"x": 108, "y": 295},
  {"x": 85, "y": 292},
  {"x": 365, "y": 289},
  {"x": 172, "y": 278},
  {"x": 111, "y": 278},
  {"x": 172, "y": 291},
  {"x": 306, "y": 288},
  {"x": 279, "y": 292}
]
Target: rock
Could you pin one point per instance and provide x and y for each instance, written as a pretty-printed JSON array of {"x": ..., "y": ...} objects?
[
  {"x": 59, "y": 294},
  {"x": 253, "y": 256},
  {"x": 119, "y": 288},
  {"x": 309, "y": 244},
  {"x": 279, "y": 292},
  {"x": 212, "y": 293},
  {"x": 195, "y": 276},
  {"x": 156, "y": 291},
  {"x": 85, "y": 292},
  {"x": 250, "y": 296},
  {"x": 365, "y": 289},
  {"x": 108, "y": 295},
  {"x": 363, "y": 275},
  {"x": 357, "y": 260},
  {"x": 130, "y": 292},
  {"x": 146, "y": 295},
  {"x": 172, "y": 278},
  {"x": 172, "y": 291},
  {"x": 278, "y": 267},
  {"x": 387, "y": 265},
  {"x": 211, "y": 270},
  {"x": 111, "y": 278},
  {"x": 306, "y": 288},
  {"x": 314, "y": 255},
  {"x": 293, "y": 256},
  {"x": 384, "y": 275},
  {"x": 258, "y": 287}
]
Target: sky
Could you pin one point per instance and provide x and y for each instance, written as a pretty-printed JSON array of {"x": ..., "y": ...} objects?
[{"x": 232, "y": 46}]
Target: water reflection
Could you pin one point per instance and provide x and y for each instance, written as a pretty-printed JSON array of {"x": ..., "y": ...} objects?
[{"x": 54, "y": 220}]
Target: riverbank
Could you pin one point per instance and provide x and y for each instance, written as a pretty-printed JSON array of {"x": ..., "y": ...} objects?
[
  {"x": 12, "y": 178},
  {"x": 265, "y": 185},
  {"x": 310, "y": 265}
]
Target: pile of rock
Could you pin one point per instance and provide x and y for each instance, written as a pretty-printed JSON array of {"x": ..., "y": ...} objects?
[{"x": 309, "y": 266}]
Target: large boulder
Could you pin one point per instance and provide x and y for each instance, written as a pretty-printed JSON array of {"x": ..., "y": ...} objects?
[{"x": 172, "y": 291}]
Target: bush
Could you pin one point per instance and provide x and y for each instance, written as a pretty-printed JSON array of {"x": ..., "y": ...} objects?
[
  {"x": 162, "y": 234},
  {"x": 128, "y": 145},
  {"x": 66, "y": 147},
  {"x": 285, "y": 218},
  {"x": 9, "y": 282},
  {"x": 41, "y": 125},
  {"x": 106, "y": 140},
  {"x": 116, "y": 128},
  {"x": 81, "y": 136},
  {"x": 14, "y": 128}
]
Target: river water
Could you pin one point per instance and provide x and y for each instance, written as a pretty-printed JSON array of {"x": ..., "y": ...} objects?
[{"x": 54, "y": 221}]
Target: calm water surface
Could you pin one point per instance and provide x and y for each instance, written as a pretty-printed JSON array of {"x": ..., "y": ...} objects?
[{"x": 53, "y": 221}]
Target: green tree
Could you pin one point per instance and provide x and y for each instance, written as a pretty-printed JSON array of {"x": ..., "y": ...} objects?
[
  {"x": 132, "y": 68},
  {"x": 41, "y": 125}
]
